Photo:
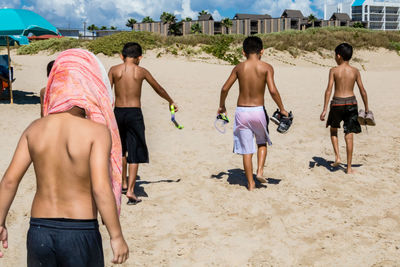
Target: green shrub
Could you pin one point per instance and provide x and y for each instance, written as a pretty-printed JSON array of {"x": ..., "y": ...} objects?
[{"x": 51, "y": 45}]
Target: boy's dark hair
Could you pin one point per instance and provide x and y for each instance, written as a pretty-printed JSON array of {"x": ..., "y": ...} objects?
[
  {"x": 131, "y": 49},
  {"x": 49, "y": 67},
  {"x": 252, "y": 45},
  {"x": 345, "y": 51}
]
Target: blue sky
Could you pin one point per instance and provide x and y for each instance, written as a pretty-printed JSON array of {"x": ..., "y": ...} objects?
[{"x": 72, "y": 13}]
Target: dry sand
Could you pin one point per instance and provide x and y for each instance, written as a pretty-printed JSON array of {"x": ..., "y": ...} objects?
[{"x": 196, "y": 210}]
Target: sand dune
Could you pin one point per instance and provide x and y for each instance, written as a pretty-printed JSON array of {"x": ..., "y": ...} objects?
[{"x": 196, "y": 209}]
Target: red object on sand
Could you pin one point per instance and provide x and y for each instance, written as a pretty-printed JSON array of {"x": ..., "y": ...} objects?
[{"x": 44, "y": 37}]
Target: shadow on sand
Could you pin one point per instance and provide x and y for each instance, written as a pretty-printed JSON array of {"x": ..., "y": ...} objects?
[
  {"x": 139, "y": 189},
  {"x": 20, "y": 98},
  {"x": 237, "y": 177},
  {"x": 318, "y": 161}
]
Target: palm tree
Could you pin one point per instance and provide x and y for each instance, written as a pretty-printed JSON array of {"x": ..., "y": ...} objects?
[
  {"x": 147, "y": 20},
  {"x": 203, "y": 12},
  {"x": 93, "y": 28},
  {"x": 103, "y": 28},
  {"x": 130, "y": 23},
  {"x": 196, "y": 28},
  {"x": 311, "y": 19},
  {"x": 227, "y": 23},
  {"x": 168, "y": 18},
  {"x": 113, "y": 28},
  {"x": 187, "y": 19}
]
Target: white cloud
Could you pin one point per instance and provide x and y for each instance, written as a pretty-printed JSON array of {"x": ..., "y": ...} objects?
[
  {"x": 276, "y": 8},
  {"x": 216, "y": 15},
  {"x": 186, "y": 10},
  {"x": 10, "y": 3}
]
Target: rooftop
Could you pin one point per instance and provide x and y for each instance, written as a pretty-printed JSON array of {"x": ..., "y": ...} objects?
[
  {"x": 340, "y": 17},
  {"x": 252, "y": 16},
  {"x": 291, "y": 13}
]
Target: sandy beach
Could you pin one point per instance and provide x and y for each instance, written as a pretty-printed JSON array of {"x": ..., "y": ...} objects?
[{"x": 196, "y": 210}]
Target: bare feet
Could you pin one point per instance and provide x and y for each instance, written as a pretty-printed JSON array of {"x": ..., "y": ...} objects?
[
  {"x": 132, "y": 196},
  {"x": 336, "y": 163},
  {"x": 350, "y": 171},
  {"x": 251, "y": 186},
  {"x": 262, "y": 179}
]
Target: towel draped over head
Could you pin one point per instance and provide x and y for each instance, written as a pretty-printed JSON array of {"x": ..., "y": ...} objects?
[{"x": 79, "y": 79}]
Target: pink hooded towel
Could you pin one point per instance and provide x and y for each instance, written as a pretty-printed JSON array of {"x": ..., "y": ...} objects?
[{"x": 79, "y": 79}]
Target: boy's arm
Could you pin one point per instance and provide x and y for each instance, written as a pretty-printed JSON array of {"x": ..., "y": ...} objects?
[
  {"x": 158, "y": 88},
  {"x": 363, "y": 92},
  {"x": 9, "y": 184},
  {"x": 103, "y": 195},
  {"x": 274, "y": 92},
  {"x": 328, "y": 94},
  {"x": 110, "y": 77},
  {"x": 225, "y": 90}
]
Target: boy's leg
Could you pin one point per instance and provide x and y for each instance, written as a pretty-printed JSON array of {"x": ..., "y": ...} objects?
[
  {"x": 124, "y": 167},
  {"x": 349, "y": 149},
  {"x": 261, "y": 157},
  {"x": 133, "y": 170},
  {"x": 248, "y": 170},
  {"x": 335, "y": 144}
]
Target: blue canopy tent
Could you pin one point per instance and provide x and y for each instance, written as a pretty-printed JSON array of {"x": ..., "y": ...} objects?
[{"x": 16, "y": 25}]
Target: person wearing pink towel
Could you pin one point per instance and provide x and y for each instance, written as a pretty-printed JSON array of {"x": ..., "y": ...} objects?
[
  {"x": 251, "y": 119},
  {"x": 76, "y": 153}
]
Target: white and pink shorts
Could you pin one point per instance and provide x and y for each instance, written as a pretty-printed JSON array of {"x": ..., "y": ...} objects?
[{"x": 250, "y": 122}]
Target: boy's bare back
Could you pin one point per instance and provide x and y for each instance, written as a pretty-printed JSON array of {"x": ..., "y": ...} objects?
[
  {"x": 253, "y": 75},
  {"x": 345, "y": 77},
  {"x": 128, "y": 80},
  {"x": 62, "y": 148}
]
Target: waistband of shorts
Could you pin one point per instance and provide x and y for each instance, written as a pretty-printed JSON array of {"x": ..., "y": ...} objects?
[
  {"x": 128, "y": 108},
  {"x": 249, "y": 109},
  {"x": 344, "y": 101},
  {"x": 65, "y": 224}
]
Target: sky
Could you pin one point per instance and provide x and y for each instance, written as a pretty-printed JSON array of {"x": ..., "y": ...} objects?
[{"x": 73, "y": 13}]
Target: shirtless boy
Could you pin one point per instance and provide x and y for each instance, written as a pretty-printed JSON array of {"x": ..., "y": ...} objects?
[
  {"x": 127, "y": 79},
  {"x": 71, "y": 159},
  {"x": 251, "y": 118},
  {"x": 344, "y": 103}
]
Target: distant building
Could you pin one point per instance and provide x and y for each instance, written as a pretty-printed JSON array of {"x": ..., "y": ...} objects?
[
  {"x": 72, "y": 33},
  {"x": 297, "y": 20},
  {"x": 378, "y": 15},
  {"x": 375, "y": 14},
  {"x": 247, "y": 24},
  {"x": 343, "y": 18}
]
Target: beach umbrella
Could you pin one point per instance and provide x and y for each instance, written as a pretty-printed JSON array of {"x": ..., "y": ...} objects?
[{"x": 16, "y": 25}]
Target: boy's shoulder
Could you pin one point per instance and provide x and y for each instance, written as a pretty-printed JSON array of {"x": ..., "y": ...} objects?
[{"x": 260, "y": 64}]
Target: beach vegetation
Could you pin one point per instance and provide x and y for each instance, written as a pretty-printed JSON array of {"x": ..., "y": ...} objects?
[
  {"x": 228, "y": 47},
  {"x": 358, "y": 24}
]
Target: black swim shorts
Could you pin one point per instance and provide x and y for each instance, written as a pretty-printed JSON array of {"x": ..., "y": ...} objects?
[
  {"x": 64, "y": 242},
  {"x": 346, "y": 110},
  {"x": 132, "y": 132}
]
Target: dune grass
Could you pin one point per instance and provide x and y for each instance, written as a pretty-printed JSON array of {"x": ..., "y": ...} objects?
[{"x": 227, "y": 47}]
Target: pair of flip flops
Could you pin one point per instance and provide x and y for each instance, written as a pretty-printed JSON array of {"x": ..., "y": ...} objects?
[
  {"x": 283, "y": 122},
  {"x": 220, "y": 122},
  {"x": 366, "y": 118},
  {"x": 131, "y": 201}
]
